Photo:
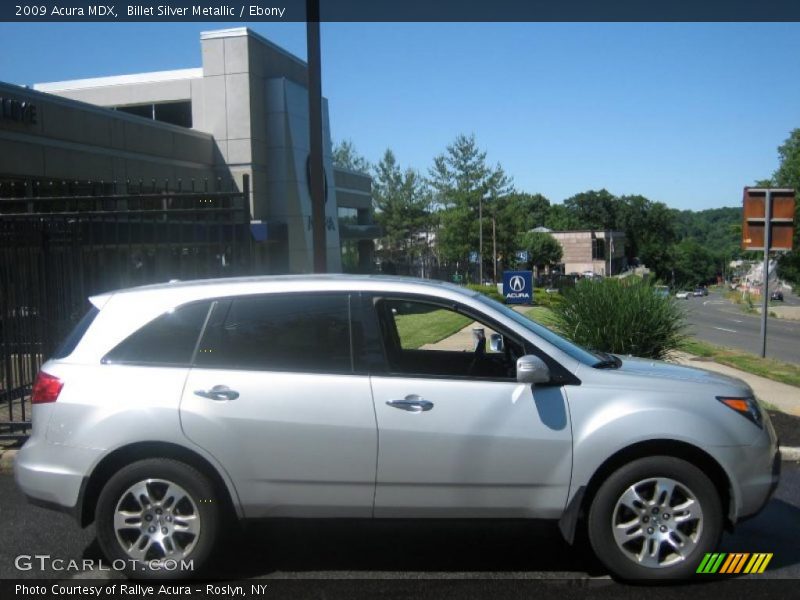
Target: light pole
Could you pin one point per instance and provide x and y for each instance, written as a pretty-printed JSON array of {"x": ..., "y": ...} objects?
[
  {"x": 315, "y": 167},
  {"x": 480, "y": 240}
]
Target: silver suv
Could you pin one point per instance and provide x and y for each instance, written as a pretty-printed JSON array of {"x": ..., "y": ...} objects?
[{"x": 172, "y": 406}]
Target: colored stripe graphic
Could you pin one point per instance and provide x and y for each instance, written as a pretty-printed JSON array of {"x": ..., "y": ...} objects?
[
  {"x": 758, "y": 563},
  {"x": 723, "y": 562},
  {"x": 734, "y": 563}
]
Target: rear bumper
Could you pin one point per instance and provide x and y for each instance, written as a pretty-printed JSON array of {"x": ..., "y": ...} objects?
[{"x": 53, "y": 476}]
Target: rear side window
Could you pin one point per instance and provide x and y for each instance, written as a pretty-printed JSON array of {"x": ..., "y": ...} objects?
[
  {"x": 69, "y": 344},
  {"x": 287, "y": 332},
  {"x": 167, "y": 340}
]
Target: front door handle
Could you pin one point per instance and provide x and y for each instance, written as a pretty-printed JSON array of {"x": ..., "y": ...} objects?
[
  {"x": 218, "y": 392},
  {"x": 411, "y": 403}
]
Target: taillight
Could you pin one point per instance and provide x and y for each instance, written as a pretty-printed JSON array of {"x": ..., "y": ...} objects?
[{"x": 46, "y": 388}]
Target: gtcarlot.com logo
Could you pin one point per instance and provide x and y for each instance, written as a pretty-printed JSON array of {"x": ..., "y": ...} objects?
[{"x": 734, "y": 562}]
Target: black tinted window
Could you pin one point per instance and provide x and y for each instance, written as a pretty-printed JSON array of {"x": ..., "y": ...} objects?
[
  {"x": 292, "y": 332},
  {"x": 168, "y": 340}
]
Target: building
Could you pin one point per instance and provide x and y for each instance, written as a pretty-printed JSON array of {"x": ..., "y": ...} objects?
[
  {"x": 244, "y": 112},
  {"x": 598, "y": 252}
]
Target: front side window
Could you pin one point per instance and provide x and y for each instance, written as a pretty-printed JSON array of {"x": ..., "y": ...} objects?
[
  {"x": 280, "y": 332},
  {"x": 426, "y": 338},
  {"x": 167, "y": 340}
]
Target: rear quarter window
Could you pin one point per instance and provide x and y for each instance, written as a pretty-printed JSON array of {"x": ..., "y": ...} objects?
[
  {"x": 69, "y": 344},
  {"x": 168, "y": 340}
]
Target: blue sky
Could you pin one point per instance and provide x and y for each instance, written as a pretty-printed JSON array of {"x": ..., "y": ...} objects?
[{"x": 686, "y": 114}]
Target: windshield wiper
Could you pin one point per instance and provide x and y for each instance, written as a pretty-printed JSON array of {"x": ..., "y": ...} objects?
[{"x": 607, "y": 361}]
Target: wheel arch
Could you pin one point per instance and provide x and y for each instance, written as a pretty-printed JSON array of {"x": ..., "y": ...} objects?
[
  {"x": 578, "y": 507},
  {"x": 125, "y": 455}
]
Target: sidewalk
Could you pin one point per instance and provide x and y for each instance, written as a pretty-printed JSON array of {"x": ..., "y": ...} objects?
[{"x": 785, "y": 397}]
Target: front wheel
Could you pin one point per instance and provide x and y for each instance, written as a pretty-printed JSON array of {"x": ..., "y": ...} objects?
[
  {"x": 655, "y": 518},
  {"x": 159, "y": 518}
]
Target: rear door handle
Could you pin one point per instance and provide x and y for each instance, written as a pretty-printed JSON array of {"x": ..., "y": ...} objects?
[
  {"x": 218, "y": 392},
  {"x": 411, "y": 403}
]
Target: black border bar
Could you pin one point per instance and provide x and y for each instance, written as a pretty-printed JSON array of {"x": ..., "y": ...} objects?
[{"x": 403, "y": 10}]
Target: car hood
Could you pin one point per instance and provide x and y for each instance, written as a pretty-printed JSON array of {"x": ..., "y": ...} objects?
[{"x": 669, "y": 371}]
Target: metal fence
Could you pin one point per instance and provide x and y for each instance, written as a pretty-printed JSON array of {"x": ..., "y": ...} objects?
[{"x": 55, "y": 252}]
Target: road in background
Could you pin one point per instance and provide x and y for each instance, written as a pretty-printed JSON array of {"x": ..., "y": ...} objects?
[{"x": 718, "y": 321}]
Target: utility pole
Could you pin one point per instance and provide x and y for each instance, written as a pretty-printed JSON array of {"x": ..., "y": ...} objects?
[
  {"x": 765, "y": 276},
  {"x": 494, "y": 246},
  {"x": 316, "y": 170},
  {"x": 480, "y": 240}
]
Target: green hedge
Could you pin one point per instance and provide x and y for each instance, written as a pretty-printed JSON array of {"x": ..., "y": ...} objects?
[{"x": 622, "y": 317}]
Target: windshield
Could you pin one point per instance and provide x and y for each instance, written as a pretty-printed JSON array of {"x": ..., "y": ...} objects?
[{"x": 578, "y": 353}]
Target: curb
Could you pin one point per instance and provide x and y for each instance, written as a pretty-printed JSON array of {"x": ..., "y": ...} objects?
[
  {"x": 7, "y": 461},
  {"x": 788, "y": 454}
]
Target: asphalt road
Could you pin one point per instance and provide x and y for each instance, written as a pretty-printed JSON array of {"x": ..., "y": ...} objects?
[
  {"x": 714, "y": 319},
  {"x": 387, "y": 551}
]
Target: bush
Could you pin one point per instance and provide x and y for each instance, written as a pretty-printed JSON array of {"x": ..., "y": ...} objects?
[{"x": 622, "y": 317}]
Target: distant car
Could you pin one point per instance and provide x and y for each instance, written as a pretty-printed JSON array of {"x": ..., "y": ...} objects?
[
  {"x": 662, "y": 290},
  {"x": 776, "y": 295},
  {"x": 698, "y": 292},
  {"x": 684, "y": 295}
]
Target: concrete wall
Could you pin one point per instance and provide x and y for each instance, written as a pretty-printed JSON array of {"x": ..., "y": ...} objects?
[{"x": 83, "y": 142}]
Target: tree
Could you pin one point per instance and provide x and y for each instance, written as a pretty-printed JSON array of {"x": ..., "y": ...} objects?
[
  {"x": 593, "y": 209},
  {"x": 462, "y": 182},
  {"x": 788, "y": 175},
  {"x": 560, "y": 218},
  {"x": 649, "y": 231},
  {"x": 543, "y": 249},
  {"x": 401, "y": 201},
  {"x": 346, "y": 156},
  {"x": 517, "y": 213},
  {"x": 692, "y": 263}
]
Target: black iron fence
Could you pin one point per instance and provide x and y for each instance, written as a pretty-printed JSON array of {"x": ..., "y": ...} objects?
[{"x": 56, "y": 252}]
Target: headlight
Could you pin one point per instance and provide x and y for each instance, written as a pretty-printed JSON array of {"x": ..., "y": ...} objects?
[{"x": 747, "y": 407}]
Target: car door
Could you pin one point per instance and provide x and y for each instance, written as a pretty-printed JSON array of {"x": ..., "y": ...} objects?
[
  {"x": 458, "y": 436},
  {"x": 274, "y": 397}
]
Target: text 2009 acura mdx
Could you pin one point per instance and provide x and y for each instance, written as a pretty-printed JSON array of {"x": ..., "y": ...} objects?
[{"x": 172, "y": 405}]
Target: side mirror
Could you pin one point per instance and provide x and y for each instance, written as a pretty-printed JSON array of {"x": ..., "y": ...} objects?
[
  {"x": 532, "y": 369},
  {"x": 496, "y": 342}
]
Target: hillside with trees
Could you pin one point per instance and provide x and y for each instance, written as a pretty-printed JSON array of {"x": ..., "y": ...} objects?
[{"x": 432, "y": 221}]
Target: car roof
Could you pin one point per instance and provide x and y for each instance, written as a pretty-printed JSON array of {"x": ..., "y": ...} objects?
[{"x": 286, "y": 283}]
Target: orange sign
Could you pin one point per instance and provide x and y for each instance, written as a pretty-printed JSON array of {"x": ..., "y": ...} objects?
[{"x": 754, "y": 217}]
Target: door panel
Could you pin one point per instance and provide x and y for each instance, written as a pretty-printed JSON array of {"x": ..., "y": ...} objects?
[
  {"x": 294, "y": 444},
  {"x": 484, "y": 449}
]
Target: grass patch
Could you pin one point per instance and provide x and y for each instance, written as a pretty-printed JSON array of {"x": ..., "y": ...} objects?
[
  {"x": 764, "y": 367},
  {"x": 428, "y": 328},
  {"x": 541, "y": 314}
]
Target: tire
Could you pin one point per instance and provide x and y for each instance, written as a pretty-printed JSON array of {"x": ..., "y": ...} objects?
[
  {"x": 172, "y": 513},
  {"x": 641, "y": 531}
]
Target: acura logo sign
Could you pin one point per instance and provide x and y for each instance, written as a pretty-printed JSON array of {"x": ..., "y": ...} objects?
[{"x": 517, "y": 287}]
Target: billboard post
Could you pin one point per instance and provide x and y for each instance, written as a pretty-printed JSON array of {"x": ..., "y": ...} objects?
[{"x": 768, "y": 216}]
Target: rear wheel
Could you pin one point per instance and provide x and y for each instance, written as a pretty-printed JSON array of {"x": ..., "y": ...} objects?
[
  {"x": 159, "y": 518},
  {"x": 655, "y": 518}
]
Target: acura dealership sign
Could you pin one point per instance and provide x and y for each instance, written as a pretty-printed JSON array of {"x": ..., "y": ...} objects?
[{"x": 518, "y": 287}]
